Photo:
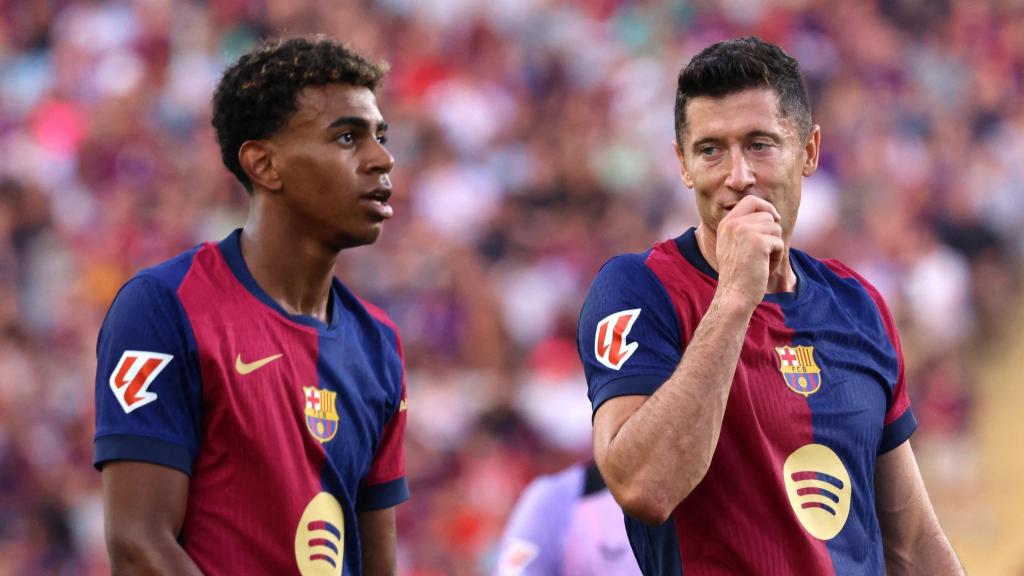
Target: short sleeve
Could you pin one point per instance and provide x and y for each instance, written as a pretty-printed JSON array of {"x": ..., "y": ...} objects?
[
  {"x": 385, "y": 484},
  {"x": 899, "y": 418},
  {"x": 629, "y": 336},
  {"x": 148, "y": 390}
]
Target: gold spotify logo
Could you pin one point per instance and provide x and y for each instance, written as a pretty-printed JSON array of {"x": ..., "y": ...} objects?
[
  {"x": 819, "y": 490},
  {"x": 320, "y": 537}
]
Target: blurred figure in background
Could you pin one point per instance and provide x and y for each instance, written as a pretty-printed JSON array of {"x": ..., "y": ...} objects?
[{"x": 566, "y": 524}]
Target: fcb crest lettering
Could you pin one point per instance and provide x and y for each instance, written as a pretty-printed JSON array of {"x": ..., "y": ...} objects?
[
  {"x": 799, "y": 370},
  {"x": 321, "y": 413},
  {"x": 610, "y": 345}
]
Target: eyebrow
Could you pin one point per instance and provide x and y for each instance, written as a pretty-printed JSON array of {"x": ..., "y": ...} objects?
[{"x": 358, "y": 122}]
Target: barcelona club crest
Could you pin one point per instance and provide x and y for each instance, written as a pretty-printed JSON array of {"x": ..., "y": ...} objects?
[
  {"x": 321, "y": 414},
  {"x": 797, "y": 365}
]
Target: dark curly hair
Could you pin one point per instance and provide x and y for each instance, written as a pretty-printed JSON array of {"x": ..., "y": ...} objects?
[
  {"x": 735, "y": 65},
  {"x": 257, "y": 95}
]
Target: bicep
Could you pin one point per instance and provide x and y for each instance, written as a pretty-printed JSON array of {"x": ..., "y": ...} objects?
[
  {"x": 144, "y": 507},
  {"x": 608, "y": 420},
  {"x": 378, "y": 536},
  {"x": 138, "y": 496}
]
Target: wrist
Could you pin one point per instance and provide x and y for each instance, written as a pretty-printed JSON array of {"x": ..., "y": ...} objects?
[{"x": 733, "y": 304}]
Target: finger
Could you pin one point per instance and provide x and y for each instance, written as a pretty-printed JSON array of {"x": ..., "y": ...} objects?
[
  {"x": 765, "y": 206},
  {"x": 746, "y": 205},
  {"x": 752, "y": 204},
  {"x": 757, "y": 223},
  {"x": 759, "y": 217}
]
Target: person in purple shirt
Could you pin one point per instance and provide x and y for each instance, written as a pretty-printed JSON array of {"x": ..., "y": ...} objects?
[{"x": 566, "y": 524}]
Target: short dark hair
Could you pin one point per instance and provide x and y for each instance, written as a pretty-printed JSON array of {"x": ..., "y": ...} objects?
[
  {"x": 732, "y": 66},
  {"x": 257, "y": 94}
]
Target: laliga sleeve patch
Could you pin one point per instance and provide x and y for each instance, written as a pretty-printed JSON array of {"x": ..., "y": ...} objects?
[
  {"x": 132, "y": 376},
  {"x": 516, "y": 557},
  {"x": 610, "y": 345}
]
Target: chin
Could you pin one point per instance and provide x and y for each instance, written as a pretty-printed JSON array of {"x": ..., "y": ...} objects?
[{"x": 360, "y": 238}]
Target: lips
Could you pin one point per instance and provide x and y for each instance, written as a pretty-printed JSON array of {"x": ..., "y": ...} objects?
[
  {"x": 379, "y": 194},
  {"x": 377, "y": 199}
]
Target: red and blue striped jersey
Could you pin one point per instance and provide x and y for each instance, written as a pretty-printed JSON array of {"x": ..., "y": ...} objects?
[
  {"x": 286, "y": 426},
  {"x": 818, "y": 394}
]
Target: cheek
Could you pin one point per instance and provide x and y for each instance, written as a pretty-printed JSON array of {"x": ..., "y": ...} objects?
[{"x": 706, "y": 179}]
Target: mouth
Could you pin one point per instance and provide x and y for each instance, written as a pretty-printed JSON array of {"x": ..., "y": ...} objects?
[
  {"x": 378, "y": 199},
  {"x": 381, "y": 195}
]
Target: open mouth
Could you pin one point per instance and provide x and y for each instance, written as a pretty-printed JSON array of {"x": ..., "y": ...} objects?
[
  {"x": 381, "y": 195},
  {"x": 378, "y": 203}
]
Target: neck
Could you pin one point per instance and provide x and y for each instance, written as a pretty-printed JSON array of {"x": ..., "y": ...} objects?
[
  {"x": 294, "y": 269},
  {"x": 782, "y": 278}
]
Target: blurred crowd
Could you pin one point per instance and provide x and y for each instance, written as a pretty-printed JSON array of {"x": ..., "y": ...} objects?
[{"x": 533, "y": 141}]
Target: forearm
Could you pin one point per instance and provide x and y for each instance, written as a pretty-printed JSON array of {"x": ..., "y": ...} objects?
[
  {"x": 912, "y": 537},
  {"x": 930, "y": 554},
  {"x": 662, "y": 451}
]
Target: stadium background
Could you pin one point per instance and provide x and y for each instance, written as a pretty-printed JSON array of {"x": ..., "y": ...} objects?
[{"x": 532, "y": 140}]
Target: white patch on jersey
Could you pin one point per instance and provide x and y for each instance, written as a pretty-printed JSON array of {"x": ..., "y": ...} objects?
[
  {"x": 516, "y": 557},
  {"x": 610, "y": 345},
  {"x": 132, "y": 376}
]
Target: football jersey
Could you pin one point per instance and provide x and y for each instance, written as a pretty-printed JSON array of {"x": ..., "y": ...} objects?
[
  {"x": 566, "y": 524},
  {"x": 286, "y": 426},
  {"x": 818, "y": 394}
]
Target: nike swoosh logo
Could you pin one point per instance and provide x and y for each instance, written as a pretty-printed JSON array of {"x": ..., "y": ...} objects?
[{"x": 244, "y": 368}]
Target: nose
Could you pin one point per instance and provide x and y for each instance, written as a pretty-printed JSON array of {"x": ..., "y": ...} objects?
[
  {"x": 379, "y": 161},
  {"x": 741, "y": 175}
]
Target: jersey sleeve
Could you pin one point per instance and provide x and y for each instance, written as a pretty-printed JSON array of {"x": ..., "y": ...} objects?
[
  {"x": 534, "y": 538},
  {"x": 385, "y": 484},
  {"x": 628, "y": 337},
  {"x": 148, "y": 391},
  {"x": 899, "y": 418}
]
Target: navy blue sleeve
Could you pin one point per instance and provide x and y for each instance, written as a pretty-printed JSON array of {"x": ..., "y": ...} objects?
[
  {"x": 629, "y": 337},
  {"x": 148, "y": 393}
]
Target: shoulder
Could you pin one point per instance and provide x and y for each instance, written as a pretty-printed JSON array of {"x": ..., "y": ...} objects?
[
  {"x": 550, "y": 496},
  {"x": 371, "y": 321},
  {"x": 172, "y": 272},
  {"x": 153, "y": 290},
  {"x": 379, "y": 316},
  {"x": 856, "y": 294},
  {"x": 627, "y": 274},
  {"x": 566, "y": 484},
  {"x": 836, "y": 271}
]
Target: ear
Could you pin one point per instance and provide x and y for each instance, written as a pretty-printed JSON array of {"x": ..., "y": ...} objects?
[
  {"x": 811, "y": 151},
  {"x": 256, "y": 158},
  {"x": 683, "y": 171}
]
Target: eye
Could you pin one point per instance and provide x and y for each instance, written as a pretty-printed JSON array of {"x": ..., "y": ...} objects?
[
  {"x": 382, "y": 138},
  {"x": 760, "y": 146},
  {"x": 346, "y": 138},
  {"x": 707, "y": 151}
]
